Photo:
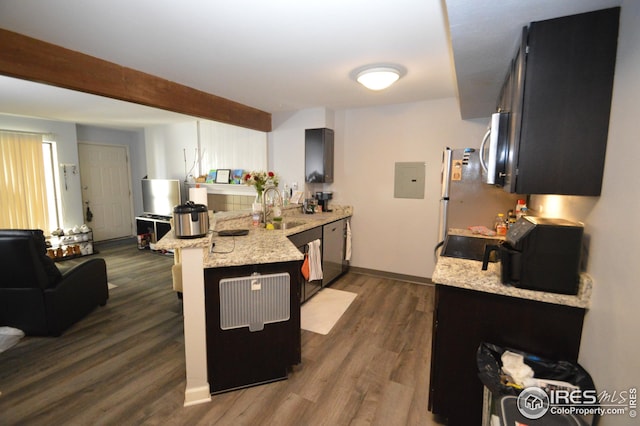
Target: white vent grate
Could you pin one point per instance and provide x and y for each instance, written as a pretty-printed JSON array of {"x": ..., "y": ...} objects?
[{"x": 254, "y": 301}]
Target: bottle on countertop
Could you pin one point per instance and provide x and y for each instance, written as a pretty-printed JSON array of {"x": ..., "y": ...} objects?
[
  {"x": 500, "y": 224},
  {"x": 286, "y": 195},
  {"x": 511, "y": 218},
  {"x": 519, "y": 206}
]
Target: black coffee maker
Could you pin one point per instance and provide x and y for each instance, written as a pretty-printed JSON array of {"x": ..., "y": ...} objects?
[
  {"x": 540, "y": 254},
  {"x": 323, "y": 200}
]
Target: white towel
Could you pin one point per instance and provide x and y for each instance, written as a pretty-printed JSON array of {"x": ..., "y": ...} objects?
[
  {"x": 315, "y": 261},
  {"x": 347, "y": 250}
]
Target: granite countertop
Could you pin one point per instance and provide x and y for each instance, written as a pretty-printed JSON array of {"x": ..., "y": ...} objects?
[
  {"x": 468, "y": 274},
  {"x": 260, "y": 245}
]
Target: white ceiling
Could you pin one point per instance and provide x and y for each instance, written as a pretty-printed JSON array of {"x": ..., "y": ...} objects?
[
  {"x": 278, "y": 55},
  {"x": 484, "y": 35}
]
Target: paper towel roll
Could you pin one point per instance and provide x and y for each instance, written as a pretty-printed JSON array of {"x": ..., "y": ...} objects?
[{"x": 198, "y": 195}]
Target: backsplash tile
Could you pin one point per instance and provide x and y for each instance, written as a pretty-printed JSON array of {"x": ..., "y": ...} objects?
[{"x": 226, "y": 203}]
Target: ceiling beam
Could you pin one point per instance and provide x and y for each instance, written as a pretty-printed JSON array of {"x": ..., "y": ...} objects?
[{"x": 35, "y": 60}]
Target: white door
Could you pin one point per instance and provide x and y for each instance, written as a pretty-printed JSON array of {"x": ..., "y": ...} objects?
[{"x": 106, "y": 190}]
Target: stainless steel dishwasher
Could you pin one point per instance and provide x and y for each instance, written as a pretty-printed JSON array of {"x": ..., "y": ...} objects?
[
  {"x": 301, "y": 241},
  {"x": 333, "y": 250}
]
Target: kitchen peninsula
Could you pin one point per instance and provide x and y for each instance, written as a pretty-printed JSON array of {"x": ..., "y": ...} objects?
[
  {"x": 209, "y": 260},
  {"x": 473, "y": 306}
]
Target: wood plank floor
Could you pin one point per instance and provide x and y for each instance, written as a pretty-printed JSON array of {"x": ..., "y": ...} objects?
[{"x": 124, "y": 363}]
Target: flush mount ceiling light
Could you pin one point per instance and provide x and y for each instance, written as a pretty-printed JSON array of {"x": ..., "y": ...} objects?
[{"x": 378, "y": 77}]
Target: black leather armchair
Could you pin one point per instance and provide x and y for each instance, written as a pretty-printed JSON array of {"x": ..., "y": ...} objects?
[{"x": 35, "y": 296}]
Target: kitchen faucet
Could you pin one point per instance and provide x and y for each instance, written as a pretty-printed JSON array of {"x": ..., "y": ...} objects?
[{"x": 265, "y": 212}]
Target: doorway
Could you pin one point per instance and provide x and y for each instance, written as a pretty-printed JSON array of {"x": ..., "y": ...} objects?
[{"x": 105, "y": 178}]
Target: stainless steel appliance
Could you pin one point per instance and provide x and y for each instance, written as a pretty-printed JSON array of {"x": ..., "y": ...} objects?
[
  {"x": 541, "y": 254},
  {"x": 160, "y": 196},
  {"x": 333, "y": 251},
  {"x": 301, "y": 240},
  {"x": 494, "y": 149},
  {"x": 190, "y": 220},
  {"x": 466, "y": 200},
  {"x": 323, "y": 200}
]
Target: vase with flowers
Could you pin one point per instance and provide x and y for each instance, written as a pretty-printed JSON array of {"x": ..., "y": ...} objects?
[{"x": 260, "y": 180}]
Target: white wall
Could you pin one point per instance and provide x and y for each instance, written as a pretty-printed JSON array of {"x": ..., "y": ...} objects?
[
  {"x": 224, "y": 146},
  {"x": 389, "y": 234},
  {"x": 167, "y": 146},
  {"x": 67, "y": 136},
  {"x": 67, "y": 149},
  {"x": 610, "y": 346},
  {"x": 393, "y": 234},
  {"x": 205, "y": 145},
  {"x": 286, "y": 142}
]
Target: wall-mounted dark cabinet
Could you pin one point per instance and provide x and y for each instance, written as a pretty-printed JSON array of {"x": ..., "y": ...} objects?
[
  {"x": 318, "y": 153},
  {"x": 558, "y": 93}
]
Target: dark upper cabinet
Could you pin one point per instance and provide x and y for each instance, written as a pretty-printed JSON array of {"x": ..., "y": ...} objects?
[
  {"x": 318, "y": 153},
  {"x": 558, "y": 93}
]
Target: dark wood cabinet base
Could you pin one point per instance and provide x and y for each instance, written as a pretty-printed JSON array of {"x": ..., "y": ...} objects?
[
  {"x": 465, "y": 318},
  {"x": 238, "y": 357}
]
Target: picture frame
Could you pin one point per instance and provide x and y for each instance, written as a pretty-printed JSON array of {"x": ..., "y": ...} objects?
[
  {"x": 296, "y": 197},
  {"x": 223, "y": 175},
  {"x": 236, "y": 176},
  {"x": 211, "y": 176}
]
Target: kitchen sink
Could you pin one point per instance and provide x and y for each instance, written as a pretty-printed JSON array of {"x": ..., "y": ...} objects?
[{"x": 287, "y": 224}]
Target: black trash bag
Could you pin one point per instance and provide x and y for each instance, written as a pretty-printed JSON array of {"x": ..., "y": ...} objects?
[{"x": 490, "y": 369}]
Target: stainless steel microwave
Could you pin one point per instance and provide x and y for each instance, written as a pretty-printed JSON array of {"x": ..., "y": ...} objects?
[{"x": 494, "y": 149}]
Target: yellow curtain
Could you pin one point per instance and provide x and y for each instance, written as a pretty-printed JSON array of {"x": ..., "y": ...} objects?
[{"x": 23, "y": 192}]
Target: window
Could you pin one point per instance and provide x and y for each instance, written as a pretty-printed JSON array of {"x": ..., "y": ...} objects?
[
  {"x": 26, "y": 173},
  {"x": 49, "y": 160}
]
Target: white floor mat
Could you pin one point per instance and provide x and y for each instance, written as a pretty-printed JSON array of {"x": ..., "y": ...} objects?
[
  {"x": 323, "y": 310},
  {"x": 9, "y": 337}
]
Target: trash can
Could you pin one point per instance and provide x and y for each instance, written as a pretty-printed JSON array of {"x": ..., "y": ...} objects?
[{"x": 522, "y": 388}]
